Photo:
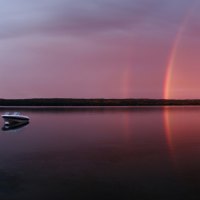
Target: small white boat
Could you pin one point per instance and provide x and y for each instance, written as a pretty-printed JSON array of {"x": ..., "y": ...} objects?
[{"x": 16, "y": 117}]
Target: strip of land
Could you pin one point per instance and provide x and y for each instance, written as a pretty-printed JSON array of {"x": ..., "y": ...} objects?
[{"x": 97, "y": 102}]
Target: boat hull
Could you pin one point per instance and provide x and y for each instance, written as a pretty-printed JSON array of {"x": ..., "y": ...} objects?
[{"x": 14, "y": 120}]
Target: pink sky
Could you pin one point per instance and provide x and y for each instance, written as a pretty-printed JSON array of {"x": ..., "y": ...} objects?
[{"x": 99, "y": 49}]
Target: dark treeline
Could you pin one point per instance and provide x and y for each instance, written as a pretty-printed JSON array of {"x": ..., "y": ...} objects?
[{"x": 96, "y": 102}]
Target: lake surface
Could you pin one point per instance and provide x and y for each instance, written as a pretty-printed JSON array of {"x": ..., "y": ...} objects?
[{"x": 102, "y": 153}]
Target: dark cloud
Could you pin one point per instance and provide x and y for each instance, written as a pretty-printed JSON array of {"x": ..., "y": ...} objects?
[{"x": 89, "y": 17}]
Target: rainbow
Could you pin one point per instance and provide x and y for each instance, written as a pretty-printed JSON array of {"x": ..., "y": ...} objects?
[
  {"x": 173, "y": 53},
  {"x": 126, "y": 83},
  {"x": 168, "y": 78},
  {"x": 172, "y": 59}
]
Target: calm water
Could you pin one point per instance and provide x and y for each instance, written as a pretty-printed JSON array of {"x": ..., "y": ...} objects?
[{"x": 102, "y": 153}]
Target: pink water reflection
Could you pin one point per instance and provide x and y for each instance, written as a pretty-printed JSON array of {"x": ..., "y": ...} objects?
[
  {"x": 84, "y": 152},
  {"x": 182, "y": 127}
]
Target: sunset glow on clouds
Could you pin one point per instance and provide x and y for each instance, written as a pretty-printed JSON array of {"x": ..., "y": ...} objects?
[{"x": 99, "y": 48}]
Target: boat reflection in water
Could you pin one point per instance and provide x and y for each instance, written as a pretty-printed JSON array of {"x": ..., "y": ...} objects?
[
  {"x": 14, "y": 126},
  {"x": 14, "y": 121}
]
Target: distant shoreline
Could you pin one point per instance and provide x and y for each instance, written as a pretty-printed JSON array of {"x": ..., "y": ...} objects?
[{"x": 98, "y": 102}]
